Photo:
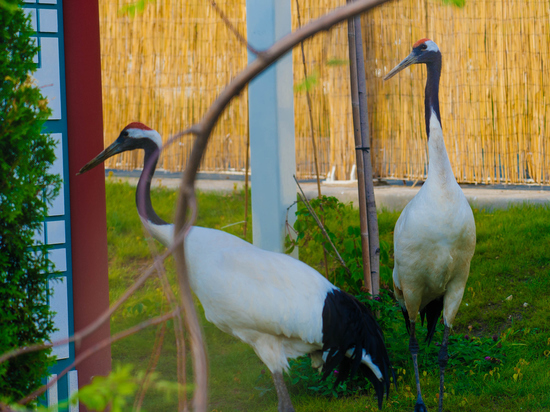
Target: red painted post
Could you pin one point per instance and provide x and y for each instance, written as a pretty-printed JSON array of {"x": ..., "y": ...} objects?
[{"x": 87, "y": 192}]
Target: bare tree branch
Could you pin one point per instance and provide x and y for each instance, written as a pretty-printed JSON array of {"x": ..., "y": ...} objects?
[
  {"x": 153, "y": 362},
  {"x": 309, "y": 105},
  {"x": 97, "y": 347},
  {"x": 203, "y": 130},
  {"x": 178, "y": 325},
  {"x": 314, "y": 146},
  {"x": 233, "y": 29},
  {"x": 321, "y": 226},
  {"x": 105, "y": 316},
  {"x": 187, "y": 201}
]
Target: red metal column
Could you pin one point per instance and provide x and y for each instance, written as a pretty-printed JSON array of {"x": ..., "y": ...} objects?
[{"x": 87, "y": 192}]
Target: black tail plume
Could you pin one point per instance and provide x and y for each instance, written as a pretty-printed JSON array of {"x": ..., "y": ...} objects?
[
  {"x": 407, "y": 320},
  {"x": 432, "y": 311},
  {"x": 348, "y": 324}
]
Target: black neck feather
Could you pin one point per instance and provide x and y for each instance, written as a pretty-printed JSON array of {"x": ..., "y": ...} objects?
[
  {"x": 143, "y": 192},
  {"x": 431, "y": 98}
]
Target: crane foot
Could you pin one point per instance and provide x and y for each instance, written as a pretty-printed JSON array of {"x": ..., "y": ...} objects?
[{"x": 420, "y": 407}]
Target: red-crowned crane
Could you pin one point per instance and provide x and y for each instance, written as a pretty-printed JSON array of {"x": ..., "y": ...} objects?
[
  {"x": 435, "y": 236},
  {"x": 275, "y": 303}
]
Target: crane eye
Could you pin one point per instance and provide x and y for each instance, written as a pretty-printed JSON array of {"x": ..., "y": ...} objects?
[
  {"x": 424, "y": 46},
  {"x": 125, "y": 134}
]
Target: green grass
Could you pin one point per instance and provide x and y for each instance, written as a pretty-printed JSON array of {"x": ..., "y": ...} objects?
[{"x": 512, "y": 258}]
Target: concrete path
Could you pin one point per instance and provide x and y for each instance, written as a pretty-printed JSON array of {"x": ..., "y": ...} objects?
[{"x": 389, "y": 197}]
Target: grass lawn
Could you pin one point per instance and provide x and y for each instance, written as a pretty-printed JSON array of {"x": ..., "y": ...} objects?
[{"x": 500, "y": 349}]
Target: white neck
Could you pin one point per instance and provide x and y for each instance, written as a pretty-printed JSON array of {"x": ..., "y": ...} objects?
[
  {"x": 439, "y": 167},
  {"x": 163, "y": 233}
]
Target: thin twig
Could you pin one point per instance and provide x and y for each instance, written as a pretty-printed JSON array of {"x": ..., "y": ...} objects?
[
  {"x": 178, "y": 324},
  {"x": 187, "y": 187},
  {"x": 153, "y": 361},
  {"x": 191, "y": 130},
  {"x": 314, "y": 146},
  {"x": 159, "y": 336},
  {"x": 105, "y": 316},
  {"x": 321, "y": 226},
  {"x": 309, "y": 105},
  {"x": 97, "y": 347},
  {"x": 233, "y": 29}
]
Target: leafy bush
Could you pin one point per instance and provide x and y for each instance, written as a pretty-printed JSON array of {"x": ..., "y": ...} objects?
[
  {"x": 341, "y": 222},
  {"x": 113, "y": 392},
  {"x": 25, "y": 188}
]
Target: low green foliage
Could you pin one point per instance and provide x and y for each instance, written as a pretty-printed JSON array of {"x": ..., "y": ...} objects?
[
  {"x": 341, "y": 223},
  {"x": 26, "y": 187},
  {"x": 117, "y": 390},
  {"x": 114, "y": 392}
]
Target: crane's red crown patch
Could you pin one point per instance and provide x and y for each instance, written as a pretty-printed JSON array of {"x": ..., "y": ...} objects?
[
  {"x": 419, "y": 42},
  {"x": 137, "y": 125}
]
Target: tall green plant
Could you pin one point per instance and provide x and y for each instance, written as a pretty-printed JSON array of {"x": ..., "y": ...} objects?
[
  {"x": 26, "y": 187},
  {"x": 342, "y": 226}
]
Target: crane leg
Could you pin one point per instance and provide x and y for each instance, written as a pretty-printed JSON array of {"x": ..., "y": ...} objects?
[
  {"x": 420, "y": 406},
  {"x": 285, "y": 405},
  {"x": 443, "y": 358}
]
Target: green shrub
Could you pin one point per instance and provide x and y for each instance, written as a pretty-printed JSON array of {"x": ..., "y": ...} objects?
[
  {"x": 342, "y": 226},
  {"x": 25, "y": 189}
]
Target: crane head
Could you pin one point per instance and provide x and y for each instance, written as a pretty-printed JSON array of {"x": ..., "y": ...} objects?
[
  {"x": 424, "y": 51},
  {"x": 134, "y": 136}
]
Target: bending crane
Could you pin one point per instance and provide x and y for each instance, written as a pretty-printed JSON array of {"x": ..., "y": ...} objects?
[
  {"x": 275, "y": 303},
  {"x": 435, "y": 236}
]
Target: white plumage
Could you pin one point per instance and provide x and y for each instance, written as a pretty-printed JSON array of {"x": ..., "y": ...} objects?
[
  {"x": 283, "y": 321},
  {"x": 280, "y": 306},
  {"x": 435, "y": 236}
]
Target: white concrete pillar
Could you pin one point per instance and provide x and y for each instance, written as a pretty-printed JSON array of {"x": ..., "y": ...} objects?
[{"x": 271, "y": 122}]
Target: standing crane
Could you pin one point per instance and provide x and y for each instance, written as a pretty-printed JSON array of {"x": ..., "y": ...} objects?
[
  {"x": 435, "y": 236},
  {"x": 278, "y": 305}
]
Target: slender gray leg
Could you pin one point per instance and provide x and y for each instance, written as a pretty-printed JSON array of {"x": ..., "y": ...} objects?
[
  {"x": 420, "y": 406},
  {"x": 443, "y": 358},
  {"x": 285, "y": 405}
]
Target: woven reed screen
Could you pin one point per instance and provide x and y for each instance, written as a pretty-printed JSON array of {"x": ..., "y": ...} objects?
[{"x": 165, "y": 66}]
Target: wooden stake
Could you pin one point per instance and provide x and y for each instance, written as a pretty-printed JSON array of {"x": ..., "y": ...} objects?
[
  {"x": 360, "y": 167},
  {"x": 364, "y": 152}
]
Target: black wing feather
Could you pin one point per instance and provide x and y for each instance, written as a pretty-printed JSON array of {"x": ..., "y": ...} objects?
[{"x": 348, "y": 324}]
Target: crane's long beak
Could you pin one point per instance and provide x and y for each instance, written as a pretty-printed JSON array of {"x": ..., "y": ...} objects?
[
  {"x": 115, "y": 148},
  {"x": 407, "y": 61}
]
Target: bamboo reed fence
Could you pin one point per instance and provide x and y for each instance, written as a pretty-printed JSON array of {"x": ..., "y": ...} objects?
[{"x": 166, "y": 65}]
